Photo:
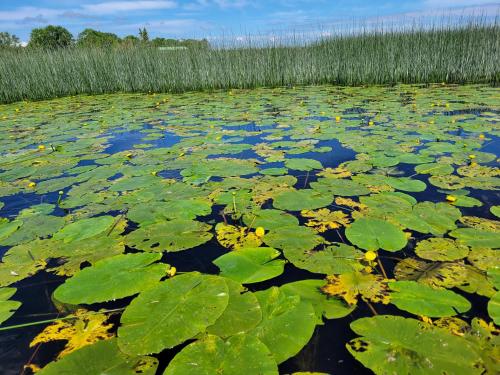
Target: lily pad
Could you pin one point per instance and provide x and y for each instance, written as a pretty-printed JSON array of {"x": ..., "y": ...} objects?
[
  {"x": 303, "y": 164},
  {"x": 305, "y": 199},
  {"x": 84, "y": 228},
  {"x": 393, "y": 344},
  {"x": 103, "y": 357},
  {"x": 441, "y": 249},
  {"x": 374, "y": 234},
  {"x": 211, "y": 355},
  {"x": 112, "y": 278},
  {"x": 175, "y": 235},
  {"x": 287, "y": 323},
  {"x": 420, "y": 299},
  {"x": 250, "y": 264},
  {"x": 174, "y": 311},
  {"x": 7, "y": 307}
]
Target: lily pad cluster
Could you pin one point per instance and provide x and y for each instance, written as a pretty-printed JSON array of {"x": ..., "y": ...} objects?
[{"x": 227, "y": 229}]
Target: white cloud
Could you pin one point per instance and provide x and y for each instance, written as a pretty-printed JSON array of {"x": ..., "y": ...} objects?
[
  {"x": 456, "y": 3},
  {"x": 22, "y": 13},
  {"x": 112, "y": 7}
]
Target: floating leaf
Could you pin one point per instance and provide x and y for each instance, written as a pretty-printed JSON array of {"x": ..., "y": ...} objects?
[
  {"x": 269, "y": 219},
  {"x": 175, "y": 235},
  {"x": 303, "y": 164},
  {"x": 172, "y": 312},
  {"x": 374, "y": 234},
  {"x": 305, "y": 199},
  {"x": 435, "y": 169},
  {"x": 112, "y": 278},
  {"x": 85, "y": 329},
  {"x": 103, "y": 357},
  {"x": 351, "y": 285},
  {"x": 446, "y": 274},
  {"x": 441, "y": 249},
  {"x": 211, "y": 355},
  {"x": 393, "y": 344},
  {"x": 242, "y": 313},
  {"x": 420, "y": 299},
  {"x": 324, "y": 219},
  {"x": 476, "y": 238},
  {"x": 235, "y": 238},
  {"x": 336, "y": 259},
  {"x": 494, "y": 308},
  {"x": 250, "y": 265},
  {"x": 343, "y": 187},
  {"x": 7, "y": 307},
  {"x": 310, "y": 290},
  {"x": 84, "y": 228},
  {"x": 287, "y": 323},
  {"x": 293, "y": 238}
]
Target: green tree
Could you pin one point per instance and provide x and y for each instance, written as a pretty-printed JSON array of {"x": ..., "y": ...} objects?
[
  {"x": 94, "y": 38},
  {"x": 143, "y": 35},
  {"x": 50, "y": 37},
  {"x": 130, "y": 40},
  {"x": 8, "y": 40}
]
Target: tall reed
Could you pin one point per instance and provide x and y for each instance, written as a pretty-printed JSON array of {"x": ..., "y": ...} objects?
[{"x": 467, "y": 53}]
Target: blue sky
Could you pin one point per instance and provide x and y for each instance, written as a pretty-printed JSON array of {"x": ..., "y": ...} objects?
[{"x": 213, "y": 18}]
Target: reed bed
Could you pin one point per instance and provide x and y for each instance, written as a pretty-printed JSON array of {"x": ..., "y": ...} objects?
[{"x": 467, "y": 53}]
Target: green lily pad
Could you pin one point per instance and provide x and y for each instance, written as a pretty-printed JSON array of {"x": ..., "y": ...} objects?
[
  {"x": 494, "y": 308},
  {"x": 240, "y": 354},
  {"x": 287, "y": 323},
  {"x": 374, "y": 234},
  {"x": 495, "y": 210},
  {"x": 175, "y": 235},
  {"x": 305, "y": 199},
  {"x": 269, "y": 219},
  {"x": 112, "y": 278},
  {"x": 174, "y": 311},
  {"x": 186, "y": 209},
  {"x": 242, "y": 313},
  {"x": 342, "y": 187},
  {"x": 477, "y": 238},
  {"x": 331, "y": 260},
  {"x": 7, "y": 307},
  {"x": 420, "y": 299},
  {"x": 434, "y": 169},
  {"x": 84, "y": 228},
  {"x": 103, "y": 357},
  {"x": 303, "y": 164},
  {"x": 441, "y": 249},
  {"x": 325, "y": 306},
  {"x": 8, "y": 227},
  {"x": 293, "y": 238},
  {"x": 395, "y": 345},
  {"x": 251, "y": 264}
]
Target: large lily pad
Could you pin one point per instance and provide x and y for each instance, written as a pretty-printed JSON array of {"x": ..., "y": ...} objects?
[
  {"x": 211, "y": 355},
  {"x": 7, "y": 307},
  {"x": 250, "y": 264},
  {"x": 172, "y": 312},
  {"x": 85, "y": 228},
  {"x": 305, "y": 199},
  {"x": 395, "y": 345},
  {"x": 175, "y": 235},
  {"x": 420, "y": 299},
  {"x": 287, "y": 323},
  {"x": 374, "y": 234},
  {"x": 112, "y": 278},
  {"x": 103, "y": 357}
]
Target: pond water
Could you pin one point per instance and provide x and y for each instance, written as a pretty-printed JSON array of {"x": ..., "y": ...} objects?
[{"x": 324, "y": 229}]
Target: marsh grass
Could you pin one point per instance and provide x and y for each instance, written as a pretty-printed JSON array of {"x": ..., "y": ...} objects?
[{"x": 467, "y": 53}]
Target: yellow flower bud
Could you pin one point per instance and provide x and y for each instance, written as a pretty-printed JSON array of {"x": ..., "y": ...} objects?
[
  {"x": 337, "y": 118},
  {"x": 451, "y": 198},
  {"x": 259, "y": 232},
  {"x": 41, "y": 147},
  {"x": 472, "y": 156},
  {"x": 371, "y": 123},
  {"x": 370, "y": 255},
  {"x": 32, "y": 184},
  {"x": 171, "y": 272},
  {"x": 481, "y": 136}
]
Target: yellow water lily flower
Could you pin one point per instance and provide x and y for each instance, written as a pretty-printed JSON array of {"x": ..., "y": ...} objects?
[
  {"x": 481, "y": 136},
  {"x": 337, "y": 118},
  {"x": 371, "y": 123},
  {"x": 154, "y": 173},
  {"x": 171, "y": 272},
  {"x": 259, "y": 232},
  {"x": 370, "y": 255},
  {"x": 41, "y": 147},
  {"x": 32, "y": 184},
  {"x": 451, "y": 198},
  {"x": 472, "y": 156},
  {"x": 129, "y": 155}
]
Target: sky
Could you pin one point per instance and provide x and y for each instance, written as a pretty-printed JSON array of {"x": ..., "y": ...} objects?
[{"x": 214, "y": 19}]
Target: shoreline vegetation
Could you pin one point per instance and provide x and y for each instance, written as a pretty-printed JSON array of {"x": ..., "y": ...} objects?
[{"x": 464, "y": 53}]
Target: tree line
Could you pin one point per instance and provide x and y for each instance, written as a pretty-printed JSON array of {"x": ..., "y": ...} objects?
[{"x": 53, "y": 37}]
